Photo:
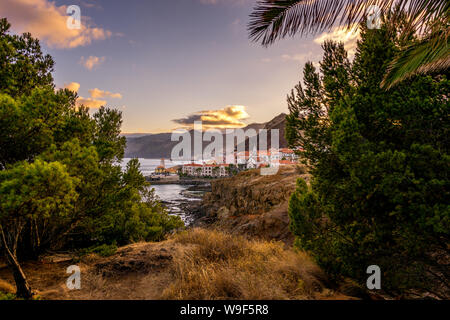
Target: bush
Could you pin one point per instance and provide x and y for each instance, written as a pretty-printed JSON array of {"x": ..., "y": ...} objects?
[
  {"x": 7, "y": 296},
  {"x": 103, "y": 250}
]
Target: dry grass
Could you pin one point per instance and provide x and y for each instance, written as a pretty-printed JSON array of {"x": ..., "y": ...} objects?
[
  {"x": 197, "y": 264},
  {"x": 6, "y": 287},
  {"x": 220, "y": 266}
]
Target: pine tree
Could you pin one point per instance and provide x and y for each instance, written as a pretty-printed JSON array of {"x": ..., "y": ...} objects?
[{"x": 379, "y": 160}]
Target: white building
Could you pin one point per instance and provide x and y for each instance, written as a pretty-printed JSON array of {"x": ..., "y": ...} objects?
[
  {"x": 251, "y": 160},
  {"x": 191, "y": 169},
  {"x": 287, "y": 154},
  {"x": 206, "y": 170}
]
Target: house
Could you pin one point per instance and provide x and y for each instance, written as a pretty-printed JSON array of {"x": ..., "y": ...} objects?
[
  {"x": 223, "y": 170},
  {"x": 288, "y": 163},
  {"x": 264, "y": 156},
  {"x": 287, "y": 154},
  {"x": 206, "y": 170},
  {"x": 241, "y": 157},
  {"x": 192, "y": 169}
]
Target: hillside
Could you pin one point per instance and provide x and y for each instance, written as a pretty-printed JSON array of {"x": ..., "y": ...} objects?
[
  {"x": 160, "y": 145},
  {"x": 279, "y": 123},
  {"x": 231, "y": 254},
  {"x": 252, "y": 205},
  {"x": 198, "y": 264}
]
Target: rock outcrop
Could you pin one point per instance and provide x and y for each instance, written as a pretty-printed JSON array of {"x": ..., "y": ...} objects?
[{"x": 251, "y": 204}]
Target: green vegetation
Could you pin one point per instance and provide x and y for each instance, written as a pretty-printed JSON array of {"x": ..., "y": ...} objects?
[
  {"x": 103, "y": 250},
  {"x": 7, "y": 296},
  {"x": 379, "y": 161},
  {"x": 60, "y": 182}
]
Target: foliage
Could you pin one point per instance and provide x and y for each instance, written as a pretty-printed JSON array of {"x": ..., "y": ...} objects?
[
  {"x": 23, "y": 65},
  {"x": 275, "y": 19},
  {"x": 103, "y": 250},
  {"x": 7, "y": 296},
  {"x": 379, "y": 160},
  {"x": 61, "y": 184}
]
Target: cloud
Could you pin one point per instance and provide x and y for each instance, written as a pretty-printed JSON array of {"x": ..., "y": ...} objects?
[
  {"x": 73, "y": 86},
  {"x": 95, "y": 101},
  {"x": 341, "y": 34},
  {"x": 48, "y": 22},
  {"x": 228, "y": 117},
  {"x": 91, "y": 62},
  {"x": 90, "y": 103},
  {"x": 97, "y": 93},
  {"x": 302, "y": 57}
]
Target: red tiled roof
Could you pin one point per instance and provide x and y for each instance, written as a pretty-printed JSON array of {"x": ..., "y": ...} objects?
[
  {"x": 192, "y": 165},
  {"x": 244, "y": 153}
]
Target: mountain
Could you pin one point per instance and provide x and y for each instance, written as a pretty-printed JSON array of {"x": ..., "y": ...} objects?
[
  {"x": 154, "y": 146},
  {"x": 279, "y": 122}
]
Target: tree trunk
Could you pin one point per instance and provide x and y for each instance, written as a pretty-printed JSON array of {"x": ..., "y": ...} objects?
[{"x": 22, "y": 286}]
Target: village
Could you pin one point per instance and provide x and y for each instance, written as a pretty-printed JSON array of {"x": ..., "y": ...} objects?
[{"x": 216, "y": 168}]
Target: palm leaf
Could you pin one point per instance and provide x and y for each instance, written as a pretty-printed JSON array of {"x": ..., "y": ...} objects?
[
  {"x": 429, "y": 55},
  {"x": 275, "y": 19}
]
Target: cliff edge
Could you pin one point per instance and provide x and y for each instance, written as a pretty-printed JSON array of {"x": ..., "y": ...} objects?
[{"x": 251, "y": 204}]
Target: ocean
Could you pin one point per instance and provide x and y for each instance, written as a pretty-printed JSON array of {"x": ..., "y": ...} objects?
[
  {"x": 149, "y": 165},
  {"x": 171, "y": 195}
]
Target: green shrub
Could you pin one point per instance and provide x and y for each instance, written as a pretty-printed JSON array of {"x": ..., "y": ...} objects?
[{"x": 7, "y": 296}]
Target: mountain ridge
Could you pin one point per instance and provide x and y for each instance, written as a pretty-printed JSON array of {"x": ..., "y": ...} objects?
[{"x": 159, "y": 145}]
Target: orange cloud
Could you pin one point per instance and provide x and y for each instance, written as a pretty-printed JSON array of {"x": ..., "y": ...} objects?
[
  {"x": 48, "y": 22},
  {"x": 228, "y": 117},
  {"x": 90, "y": 103},
  {"x": 97, "y": 93},
  {"x": 73, "y": 86},
  {"x": 341, "y": 34},
  {"x": 93, "y": 102},
  {"x": 91, "y": 62}
]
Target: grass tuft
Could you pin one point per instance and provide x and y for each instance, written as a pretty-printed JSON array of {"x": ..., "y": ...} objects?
[{"x": 216, "y": 265}]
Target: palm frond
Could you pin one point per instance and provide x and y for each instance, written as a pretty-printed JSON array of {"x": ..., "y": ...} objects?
[
  {"x": 275, "y": 19},
  {"x": 422, "y": 13},
  {"x": 431, "y": 54}
]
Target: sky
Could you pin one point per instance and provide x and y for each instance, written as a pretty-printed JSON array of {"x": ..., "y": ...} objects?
[{"x": 166, "y": 63}]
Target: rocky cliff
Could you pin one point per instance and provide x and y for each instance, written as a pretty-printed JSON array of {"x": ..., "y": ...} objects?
[{"x": 251, "y": 204}]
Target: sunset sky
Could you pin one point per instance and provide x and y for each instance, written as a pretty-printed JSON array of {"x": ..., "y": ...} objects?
[{"x": 166, "y": 63}]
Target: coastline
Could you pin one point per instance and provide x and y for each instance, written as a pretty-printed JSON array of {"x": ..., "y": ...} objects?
[{"x": 183, "y": 181}]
